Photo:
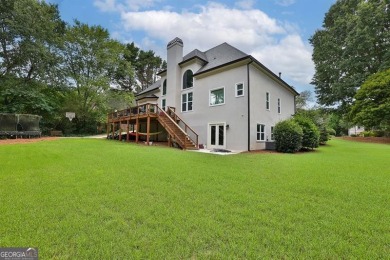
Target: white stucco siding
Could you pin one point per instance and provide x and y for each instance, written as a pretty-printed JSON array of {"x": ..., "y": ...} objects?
[
  {"x": 234, "y": 112},
  {"x": 260, "y": 84}
]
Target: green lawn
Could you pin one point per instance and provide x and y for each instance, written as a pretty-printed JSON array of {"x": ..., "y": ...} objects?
[{"x": 100, "y": 199}]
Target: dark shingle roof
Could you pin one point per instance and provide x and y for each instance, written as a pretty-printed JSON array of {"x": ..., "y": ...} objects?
[
  {"x": 221, "y": 55},
  {"x": 195, "y": 54},
  {"x": 152, "y": 87}
]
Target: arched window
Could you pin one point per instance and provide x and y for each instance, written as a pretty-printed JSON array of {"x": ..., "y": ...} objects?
[
  {"x": 188, "y": 79},
  {"x": 164, "y": 90}
]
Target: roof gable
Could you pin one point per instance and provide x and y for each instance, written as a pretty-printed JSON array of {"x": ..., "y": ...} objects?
[
  {"x": 220, "y": 55},
  {"x": 151, "y": 88}
]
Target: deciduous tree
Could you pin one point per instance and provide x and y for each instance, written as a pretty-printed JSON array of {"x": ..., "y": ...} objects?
[{"x": 353, "y": 44}]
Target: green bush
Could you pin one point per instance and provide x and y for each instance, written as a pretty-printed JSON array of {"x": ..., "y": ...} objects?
[
  {"x": 367, "y": 134},
  {"x": 324, "y": 135},
  {"x": 288, "y": 136},
  {"x": 311, "y": 134},
  {"x": 331, "y": 131}
]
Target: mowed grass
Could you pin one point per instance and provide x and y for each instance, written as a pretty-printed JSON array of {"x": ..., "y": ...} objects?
[{"x": 100, "y": 199}]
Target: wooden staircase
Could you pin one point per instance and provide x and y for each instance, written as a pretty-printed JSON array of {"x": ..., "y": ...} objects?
[{"x": 176, "y": 133}]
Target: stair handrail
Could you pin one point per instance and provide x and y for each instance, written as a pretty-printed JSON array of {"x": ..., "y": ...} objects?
[
  {"x": 170, "y": 118},
  {"x": 186, "y": 126}
]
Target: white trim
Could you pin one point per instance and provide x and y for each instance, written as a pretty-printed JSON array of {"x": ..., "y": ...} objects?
[
  {"x": 236, "y": 90},
  {"x": 264, "y": 133},
  {"x": 192, "y": 101},
  {"x": 162, "y": 106},
  {"x": 272, "y": 135},
  {"x": 267, "y": 101},
  {"x": 193, "y": 81},
  {"x": 209, "y": 146},
  {"x": 224, "y": 96}
]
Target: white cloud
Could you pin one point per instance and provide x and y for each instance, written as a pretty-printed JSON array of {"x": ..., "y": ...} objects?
[
  {"x": 208, "y": 27},
  {"x": 124, "y": 5},
  {"x": 275, "y": 44},
  {"x": 245, "y": 4},
  {"x": 285, "y": 2},
  {"x": 289, "y": 56},
  {"x": 106, "y": 5}
]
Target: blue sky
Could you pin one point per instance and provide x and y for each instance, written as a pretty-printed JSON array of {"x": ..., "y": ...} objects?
[{"x": 275, "y": 32}]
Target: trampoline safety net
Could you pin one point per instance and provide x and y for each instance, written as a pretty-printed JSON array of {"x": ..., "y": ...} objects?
[{"x": 19, "y": 125}]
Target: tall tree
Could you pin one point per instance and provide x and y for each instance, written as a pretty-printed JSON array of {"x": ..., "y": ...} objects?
[
  {"x": 146, "y": 65},
  {"x": 372, "y": 106},
  {"x": 30, "y": 35},
  {"x": 90, "y": 56},
  {"x": 353, "y": 44}
]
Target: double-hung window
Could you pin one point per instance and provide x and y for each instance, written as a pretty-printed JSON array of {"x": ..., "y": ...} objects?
[
  {"x": 164, "y": 88},
  {"x": 260, "y": 133},
  {"x": 186, "y": 102},
  {"x": 163, "y": 104},
  {"x": 217, "y": 97},
  {"x": 267, "y": 100},
  {"x": 272, "y": 133},
  {"x": 239, "y": 90},
  {"x": 279, "y": 106}
]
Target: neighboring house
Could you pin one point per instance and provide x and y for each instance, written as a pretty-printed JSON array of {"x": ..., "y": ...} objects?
[
  {"x": 355, "y": 130},
  {"x": 226, "y": 96}
]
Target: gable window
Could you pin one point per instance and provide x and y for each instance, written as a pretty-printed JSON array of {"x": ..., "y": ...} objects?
[
  {"x": 217, "y": 96},
  {"x": 267, "y": 100},
  {"x": 186, "y": 102},
  {"x": 279, "y": 108},
  {"x": 260, "y": 133},
  {"x": 164, "y": 90},
  {"x": 239, "y": 90},
  {"x": 188, "y": 79},
  {"x": 163, "y": 104},
  {"x": 272, "y": 133}
]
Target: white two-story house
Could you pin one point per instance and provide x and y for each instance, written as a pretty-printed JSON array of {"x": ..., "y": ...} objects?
[{"x": 226, "y": 96}]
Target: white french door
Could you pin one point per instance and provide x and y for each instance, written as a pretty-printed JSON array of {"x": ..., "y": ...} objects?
[{"x": 217, "y": 136}]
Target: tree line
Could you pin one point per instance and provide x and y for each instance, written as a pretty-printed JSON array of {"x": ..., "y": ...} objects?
[
  {"x": 49, "y": 67},
  {"x": 351, "y": 53}
]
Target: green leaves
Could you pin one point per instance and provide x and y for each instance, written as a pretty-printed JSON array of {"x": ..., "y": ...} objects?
[
  {"x": 352, "y": 45},
  {"x": 372, "y": 105}
]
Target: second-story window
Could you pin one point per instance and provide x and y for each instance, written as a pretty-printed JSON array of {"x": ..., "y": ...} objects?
[
  {"x": 239, "y": 90},
  {"x": 279, "y": 106},
  {"x": 188, "y": 79},
  {"x": 186, "y": 102},
  {"x": 164, "y": 88},
  {"x": 267, "y": 100}
]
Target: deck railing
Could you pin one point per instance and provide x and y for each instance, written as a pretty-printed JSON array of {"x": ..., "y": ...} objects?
[
  {"x": 146, "y": 109},
  {"x": 155, "y": 110},
  {"x": 192, "y": 135}
]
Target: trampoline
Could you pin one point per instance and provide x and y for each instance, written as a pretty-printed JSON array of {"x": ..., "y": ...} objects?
[{"x": 19, "y": 125}]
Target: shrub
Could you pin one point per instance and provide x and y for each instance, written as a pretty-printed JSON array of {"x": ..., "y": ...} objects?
[
  {"x": 288, "y": 136},
  {"x": 324, "y": 135},
  {"x": 331, "y": 131},
  {"x": 367, "y": 134},
  {"x": 311, "y": 134}
]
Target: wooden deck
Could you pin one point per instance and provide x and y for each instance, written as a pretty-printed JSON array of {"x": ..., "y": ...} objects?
[{"x": 149, "y": 123}]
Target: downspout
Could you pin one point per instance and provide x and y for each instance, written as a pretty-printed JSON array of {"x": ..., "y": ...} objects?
[{"x": 249, "y": 107}]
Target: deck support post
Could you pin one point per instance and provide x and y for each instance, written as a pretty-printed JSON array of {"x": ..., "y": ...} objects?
[
  {"x": 120, "y": 131},
  {"x": 136, "y": 129},
  {"x": 113, "y": 130},
  {"x": 127, "y": 131},
  {"x": 148, "y": 130}
]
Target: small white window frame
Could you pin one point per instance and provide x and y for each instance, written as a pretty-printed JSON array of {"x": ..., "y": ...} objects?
[
  {"x": 260, "y": 132},
  {"x": 236, "y": 89},
  {"x": 224, "y": 97},
  {"x": 267, "y": 101}
]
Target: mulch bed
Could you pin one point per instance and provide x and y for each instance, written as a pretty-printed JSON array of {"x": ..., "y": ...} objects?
[
  {"x": 25, "y": 141},
  {"x": 379, "y": 140}
]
